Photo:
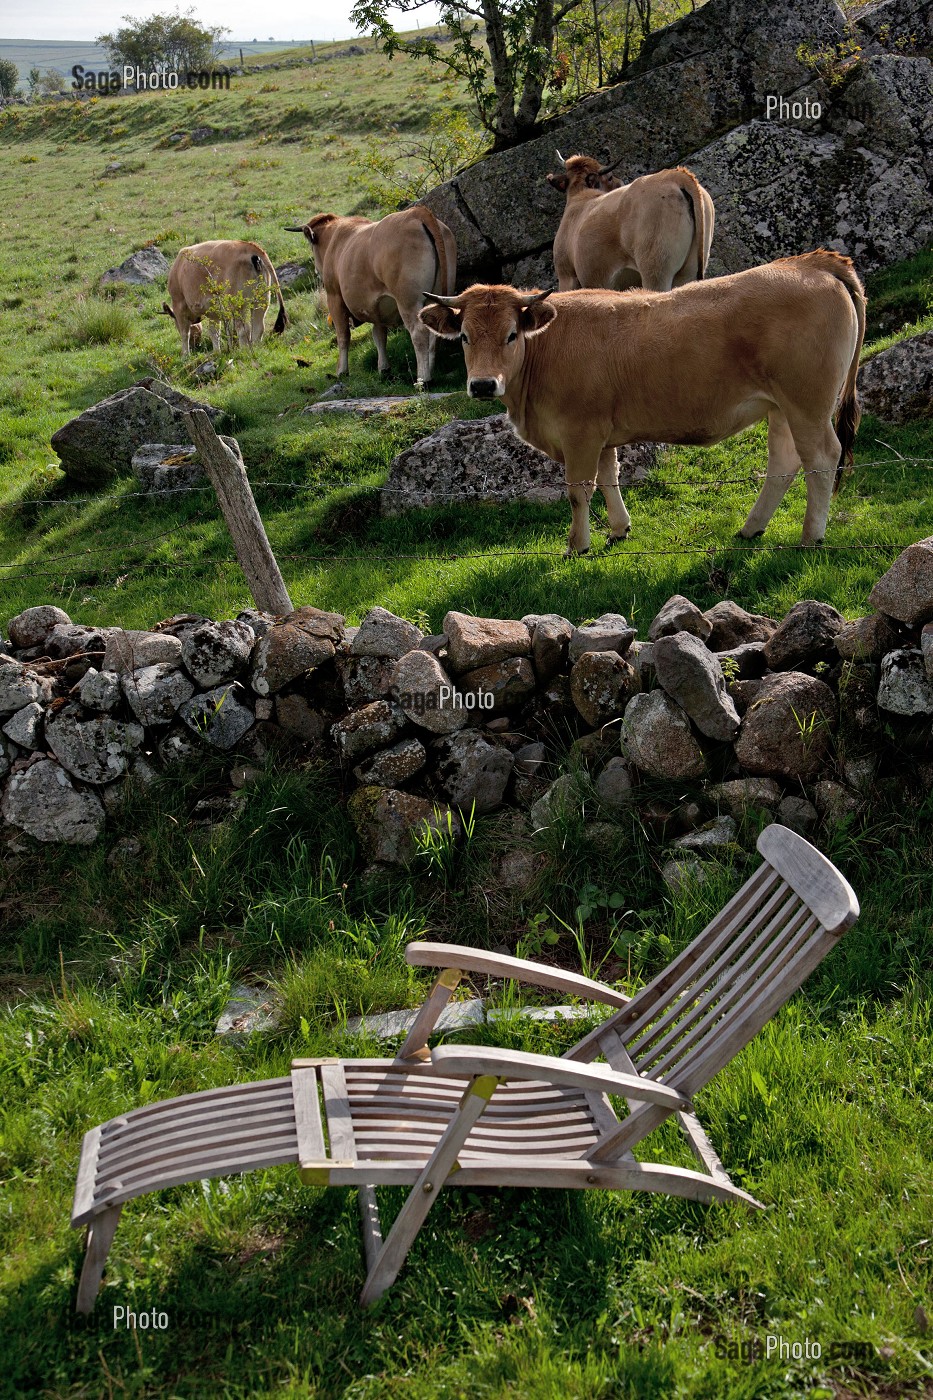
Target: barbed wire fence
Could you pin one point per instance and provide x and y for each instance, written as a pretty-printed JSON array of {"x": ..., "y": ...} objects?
[{"x": 96, "y": 565}]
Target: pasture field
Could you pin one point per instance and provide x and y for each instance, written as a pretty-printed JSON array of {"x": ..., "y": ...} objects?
[{"x": 114, "y": 968}]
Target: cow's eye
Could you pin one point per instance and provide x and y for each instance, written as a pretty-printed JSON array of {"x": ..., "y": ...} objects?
[
  {"x": 464, "y": 338},
  {"x": 513, "y": 335}
]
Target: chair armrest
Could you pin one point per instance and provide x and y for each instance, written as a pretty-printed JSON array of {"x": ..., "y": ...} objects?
[
  {"x": 498, "y": 965},
  {"x": 518, "y": 1064}
]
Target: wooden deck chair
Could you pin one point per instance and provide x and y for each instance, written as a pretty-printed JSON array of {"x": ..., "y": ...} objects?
[{"x": 477, "y": 1116}]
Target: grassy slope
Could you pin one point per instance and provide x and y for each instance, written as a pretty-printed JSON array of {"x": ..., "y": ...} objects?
[{"x": 514, "y": 1294}]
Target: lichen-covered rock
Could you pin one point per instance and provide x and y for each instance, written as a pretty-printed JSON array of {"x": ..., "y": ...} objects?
[
  {"x": 905, "y": 687},
  {"x": 731, "y": 626},
  {"x": 9, "y": 752},
  {"x": 43, "y": 801},
  {"x": 424, "y": 691},
  {"x": 375, "y": 726},
  {"x": 155, "y": 693},
  {"x": 559, "y": 800},
  {"x": 217, "y": 716},
  {"x": 170, "y": 466},
  {"x": 805, "y": 636},
  {"x": 601, "y": 683},
  {"x": 658, "y": 740},
  {"x": 217, "y": 651},
  {"x": 481, "y": 641},
  {"x": 905, "y": 591},
  {"x": 146, "y": 265},
  {"x": 740, "y": 795},
  {"x": 293, "y": 646},
  {"x": 71, "y": 639},
  {"x": 100, "y": 442},
  {"x": 30, "y": 628},
  {"x": 867, "y": 638},
  {"x": 713, "y": 837},
  {"x": 99, "y": 690},
  {"x": 680, "y": 615},
  {"x": 365, "y": 678},
  {"x": 383, "y": 634},
  {"x": 505, "y": 683},
  {"x": 550, "y": 637},
  {"x": 388, "y": 821},
  {"x": 786, "y": 731},
  {"x": 799, "y": 814},
  {"x": 897, "y": 383},
  {"x": 19, "y": 686},
  {"x": 835, "y": 802},
  {"x": 177, "y": 747},
  {"x": 391, "y": 767},
  {"x": 614, "y": 786},
  {"x": 96, "y": 748},
  {"x": 25, "y": 726},
  {"x": 473, "y": 773},
  {"x": 298, "y": 717},
  {"x": 692, "y": 676}
]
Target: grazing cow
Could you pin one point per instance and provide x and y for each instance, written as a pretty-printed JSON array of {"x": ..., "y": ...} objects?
[
  {"x": 655, "y": 232},
  {"x": 377, "y": 272},
  {"x": 583, "y": 372},
  {"x": 206, "y": 275}
]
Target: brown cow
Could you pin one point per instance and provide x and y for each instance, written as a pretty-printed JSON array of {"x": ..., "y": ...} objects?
[
  {"x": 655, "y": 232},
  {"x": 584, "y": 372},
  {"x": 204, "y": 275},
  {"x": 378, "y": 272}
]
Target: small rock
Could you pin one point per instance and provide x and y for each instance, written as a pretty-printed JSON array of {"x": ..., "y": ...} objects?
[
  {"x": 248, "y": 1010},
  {"x": 164, "y": 467},
  {"x": 603, "y": 838},
  {"x": 373, "y": 727},
  {"x": 424, "y": 691},
  {"x": 96, "y": 749},
  {"x": 905, "y": 592},
  {"x": 786, "y": 732},
  {"x": 560, "y": 799},
  {"x": 859, "y": 771},
  {"x": 867, "y": 638},
  {"x": 799, "y": 814},
  {"x": 388, "y": 821},
  {"x": 124, "y": 850},
  {"x": 807, "y": 635},
  {"x": 905, "y": 687},
  {"x": 691, "y": 675},
  {"x": 155, "y": 693},
  {"x": 9, "y": 752},
  {"x": 264, "y": 708},
  {"x": 516, "y": 870},
  {"x": 365, "y": 678},
  {"x": 244, "y": 775},
  {"x": 530, "y": 760},
  {"x": 741, "y": 794},
  {"x": 550, "y": 639},
  {"x": 178, "y": 747},
  {"x": 926, "y": 648},
  {"x": 69, "y": 639},
  {"x": 217, "y": 716},
  {"x": 383, "y": 634},
  {"x": 474, "y": 642},
  {"x": 680, "y": 615},
  {"x": 473, "y": 773},
  {"x": 294, "y": 646},
  {"x": 507, "y": 683},
  {"x": 217, "y": 651},
  {"x": 297, "y": 717},
  {"x": 43, "y": 801},
  {"x": 99, "y": 690},
  {"x": 731, "y": 626},
  {"x": 595, "y": 749},
  {"x": 713, "y": 837},
  {"x": 610, "y": 632},
  {"x": 601, "y": 683},
  {"x": 743, "y": 662},
  {"x": 30, "y": 628},
  {"x": 392, "y": 767},
  {"x": 25, "y": 726},
  {"x": 614, "y": 786},
  {"x": 19, "y": 687},
  {"x": 836, "y": 803},
  {"x": 641, "y": 656},
  {"x": 658, "y": 740},
  {"x": 682, "y": 873},
  {"x": 744, "y": 694}
]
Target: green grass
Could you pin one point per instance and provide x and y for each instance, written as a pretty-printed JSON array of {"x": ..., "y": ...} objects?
[{"x": 113, "y": 968}]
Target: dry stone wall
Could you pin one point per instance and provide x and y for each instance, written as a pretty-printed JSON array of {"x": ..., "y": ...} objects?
[{"x": 720, "y": 709}]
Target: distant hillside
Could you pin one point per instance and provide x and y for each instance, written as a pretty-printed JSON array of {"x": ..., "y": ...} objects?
[{"x": 63, "y": 54}]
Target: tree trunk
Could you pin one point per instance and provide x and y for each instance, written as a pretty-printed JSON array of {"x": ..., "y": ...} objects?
[{"x": 504, "y": 123}]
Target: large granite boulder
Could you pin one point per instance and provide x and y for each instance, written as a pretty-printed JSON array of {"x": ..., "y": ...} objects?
[
  {"x": 138, "y": 270},
  {"x": 43, "y": 801},
  {"x": 100, "y": 443},
  {"x": 786, "y": 733},
  {"x": 897, "y": 383}
]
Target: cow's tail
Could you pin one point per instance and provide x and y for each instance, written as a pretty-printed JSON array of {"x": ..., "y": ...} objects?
[
  {"x": 432, "y": 228},
  {"x": 693, "y": 192},
  {"x": 849, "y": 411},
  {"x": 263, "y": 264}
]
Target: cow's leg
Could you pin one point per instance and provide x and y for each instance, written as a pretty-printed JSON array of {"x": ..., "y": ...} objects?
[
  {"x": 580, "y": 470},
  {"x": 783, "y": 462},
  {"x": 213, "y": 331},
  {"x": 257, "y": 325},
  {"x": 340, "y": 318},
  {"x": 380, "y": 336},
  {"x": 421, "y": 338},
  {"x": 607, "y": 479},
  {"x": 819, "y": 450}
]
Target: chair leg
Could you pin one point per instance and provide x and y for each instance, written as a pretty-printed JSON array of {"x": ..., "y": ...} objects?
[
  {"x": 443, "y": 1160},
  {"x": 100, "y": 1233},
  {"x": 372, "y": 1229}
]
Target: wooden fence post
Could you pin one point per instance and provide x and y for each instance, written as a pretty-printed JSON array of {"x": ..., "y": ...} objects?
[{"x": 228, "y": 477}]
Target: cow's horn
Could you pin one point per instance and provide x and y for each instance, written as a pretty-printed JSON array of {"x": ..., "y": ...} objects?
[
  {"x": 561, "y": 158},
  {"x": 292, "y": 228},
  {"x": 539, "y": 296},
  {"x": 605, "y": 169},
  {"x": 441, "y": 301}
]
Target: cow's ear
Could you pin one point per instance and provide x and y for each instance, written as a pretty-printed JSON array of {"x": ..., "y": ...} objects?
[
  {"x": 537, "y": 317},
  {"x": 442, "y": 320},
  {"x": 559, "y": 182},
  {"x": 593, "y": 182}
]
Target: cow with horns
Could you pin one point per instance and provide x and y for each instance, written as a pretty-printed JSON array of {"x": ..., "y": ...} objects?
[
  {"x": 582, "y": 373},
  {"x": 655, "y": 232}
]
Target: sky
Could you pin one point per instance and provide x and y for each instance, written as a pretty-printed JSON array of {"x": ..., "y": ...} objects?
[{"x": 279, "y": 19}]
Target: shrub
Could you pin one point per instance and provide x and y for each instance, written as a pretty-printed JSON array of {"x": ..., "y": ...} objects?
[{"x": 96, "y": 323}]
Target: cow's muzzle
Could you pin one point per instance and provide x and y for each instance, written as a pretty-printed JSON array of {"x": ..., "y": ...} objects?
[{"x": 483, "y": 388}]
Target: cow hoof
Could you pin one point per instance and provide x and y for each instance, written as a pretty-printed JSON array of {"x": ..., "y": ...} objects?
[
  {"x": 613, "y": 540},
  {"x": 755, "y": 535},
  {"x": 575, "y": 553}
]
